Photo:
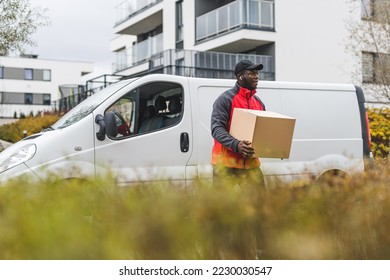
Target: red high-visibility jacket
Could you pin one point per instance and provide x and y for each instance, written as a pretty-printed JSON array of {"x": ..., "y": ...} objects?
[{"x": 225, "y": 146}]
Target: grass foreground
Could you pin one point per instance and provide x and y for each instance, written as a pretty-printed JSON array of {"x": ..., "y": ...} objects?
[{"x": 344, "y": 219}]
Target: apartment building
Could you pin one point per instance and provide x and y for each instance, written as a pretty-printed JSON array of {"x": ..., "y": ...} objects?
[
  {"x": 31, "y": 85},
  {"x": 295, "y": 40},
  {"x": 184, "y": 37}
]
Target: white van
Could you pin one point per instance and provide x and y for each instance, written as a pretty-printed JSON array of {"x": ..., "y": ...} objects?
[{"x": 157, "y": 127}]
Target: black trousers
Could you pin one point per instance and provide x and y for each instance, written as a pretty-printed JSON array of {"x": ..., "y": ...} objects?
[{"x": 244, "y": 177}]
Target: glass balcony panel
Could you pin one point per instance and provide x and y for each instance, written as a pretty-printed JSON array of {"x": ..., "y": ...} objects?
[
  {"x": 157, "y": 44},
  {"x": 254, "y": 14},
  {"x": 129, "y": 7},
  {"x": 212, "y": 24},
  {"x": 147, "y": 48},
  {"x": 267, "y": 14},
  {"x": 139, "y": 52},
  {"x": 223, "y": 19},
  {"x": 251, "y": 13},
  {"x": 121, "y": 60},
  {"x": 234, "y": 12},
  {"x": 201, "y": 27}
]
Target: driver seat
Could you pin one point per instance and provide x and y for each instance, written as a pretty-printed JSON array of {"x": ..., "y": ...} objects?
[{"x": 148, "y": 115}]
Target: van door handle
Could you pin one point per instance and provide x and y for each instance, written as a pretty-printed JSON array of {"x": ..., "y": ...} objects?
[{"x": 184, "y": 142}]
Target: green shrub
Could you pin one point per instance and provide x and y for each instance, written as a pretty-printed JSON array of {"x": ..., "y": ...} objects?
[
  {"x": 379, "y": 119},
  {"x": 13, "y": 132},
  {"x": 101, "y": 221}
]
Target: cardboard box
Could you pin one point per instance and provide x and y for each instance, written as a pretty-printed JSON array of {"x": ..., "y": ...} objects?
[{"x": 270, "y": 133}]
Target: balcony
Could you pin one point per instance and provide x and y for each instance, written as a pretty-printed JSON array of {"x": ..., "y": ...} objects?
[
  {"x": 203, "y": 64},
  {"x": 251, "y": 14},
  {"x": 147, "y": 48},
  {"x": 138, "y": 52},
  {"x": 130, "y": 8}
]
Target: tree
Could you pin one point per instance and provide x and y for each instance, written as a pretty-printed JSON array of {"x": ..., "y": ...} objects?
[
  {"x": 369, "y": 41},
  {"x": 18, "y": 21}
]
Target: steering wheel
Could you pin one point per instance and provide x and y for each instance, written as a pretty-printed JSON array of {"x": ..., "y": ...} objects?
[{"x": 123, "y": 127}]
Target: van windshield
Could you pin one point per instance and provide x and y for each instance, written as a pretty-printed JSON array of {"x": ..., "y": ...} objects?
[{"x": 88, "y": 105}]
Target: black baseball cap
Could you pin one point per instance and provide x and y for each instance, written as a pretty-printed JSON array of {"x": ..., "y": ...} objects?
[{"x": 246, "y": 65}]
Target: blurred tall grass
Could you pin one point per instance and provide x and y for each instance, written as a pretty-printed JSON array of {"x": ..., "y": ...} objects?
[{"x": 344, "y": 218}]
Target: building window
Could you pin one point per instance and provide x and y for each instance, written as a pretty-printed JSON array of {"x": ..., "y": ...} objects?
[
  {"x": 179, "y": 25},
  {"x": 28, "y": 98},
  {"x": 1, "y": 72},
  {"x": 376, "y": 10},
  {"x": 376, "y": 68},
  {"x": 28, "y": 74},
  {"x": 366, "y": 10},
  {"x": 368, "y": 67},
  {"x": 47, "y": 75},
  {"x": 46, "y": 99}
]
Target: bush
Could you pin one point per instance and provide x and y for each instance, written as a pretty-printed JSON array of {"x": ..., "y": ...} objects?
[
  {"x": 13, "y": 132},
  {"x": 379, "y": 119},
  {"x": 101, "y": 221}
]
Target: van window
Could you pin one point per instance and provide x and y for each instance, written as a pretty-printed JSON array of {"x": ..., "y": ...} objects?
[
  {"x": 86, "y": 107},
  {"x": 124, "y": 111},
  {"x": 149, "y": 108}
]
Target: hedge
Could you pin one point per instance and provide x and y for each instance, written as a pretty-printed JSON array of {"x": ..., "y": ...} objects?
[
  {"x": 379, "y": 119},
  {"x": 13, "y": 132}
]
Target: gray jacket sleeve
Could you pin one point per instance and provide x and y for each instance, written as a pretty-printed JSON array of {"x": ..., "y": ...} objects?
[{"x": 220, "y": 118}]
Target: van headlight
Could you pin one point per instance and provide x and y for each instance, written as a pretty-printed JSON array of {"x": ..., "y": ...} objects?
[{"x": 22, "y": 155}]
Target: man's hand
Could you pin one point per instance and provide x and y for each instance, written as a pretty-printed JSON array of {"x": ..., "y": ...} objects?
[{"x": 245, "y": 149}]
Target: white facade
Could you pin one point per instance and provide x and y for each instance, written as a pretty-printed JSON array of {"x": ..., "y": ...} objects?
[
  {"x": 311, "y": 38},
  {"x": 39, "y": 92},
  {"x": 298, "y": 41}
]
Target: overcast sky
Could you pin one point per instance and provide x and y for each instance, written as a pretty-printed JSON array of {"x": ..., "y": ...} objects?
[{"x": 80, "y": 30}]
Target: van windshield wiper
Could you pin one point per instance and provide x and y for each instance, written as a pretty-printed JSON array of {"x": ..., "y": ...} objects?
[{"x": 50, "y": 128}]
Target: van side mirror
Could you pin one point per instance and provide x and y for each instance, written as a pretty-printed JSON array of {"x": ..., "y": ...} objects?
[
  {"x": 107, "y": 126},
  {"x": 111, "y": 127},
  {"x": 101, "y": 134}
]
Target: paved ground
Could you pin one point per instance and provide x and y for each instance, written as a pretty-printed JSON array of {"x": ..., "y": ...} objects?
[{"x": 5, "y": 121}]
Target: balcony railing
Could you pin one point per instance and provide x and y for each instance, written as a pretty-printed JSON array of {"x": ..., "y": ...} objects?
[
  {"x": 256, "y": 14},
  {"x": 147, "y": 48},
  {"x": 138, "y": 52},
  {"x": 205, "y": 64},
  {"x": 128, "y": 8},
  {"x": 186, "y": 63}
]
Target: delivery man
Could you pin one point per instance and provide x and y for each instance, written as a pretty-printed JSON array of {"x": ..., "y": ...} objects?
[{"x": 231, "y": 156}]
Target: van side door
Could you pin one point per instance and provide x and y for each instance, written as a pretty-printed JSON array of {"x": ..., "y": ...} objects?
[{"x": 153, "y": 134}]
